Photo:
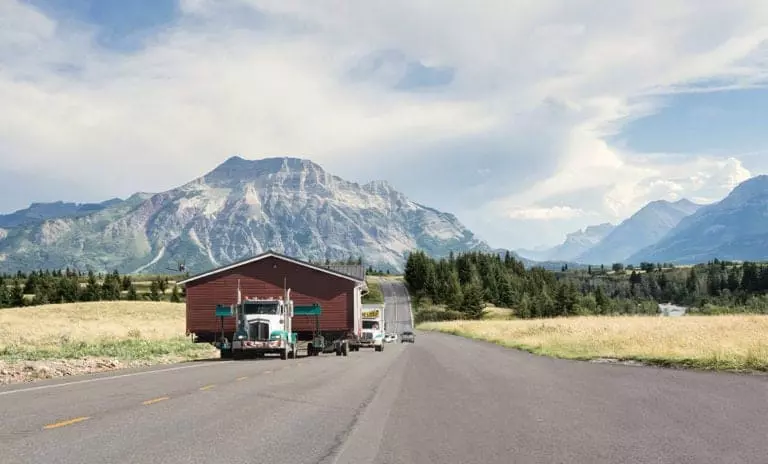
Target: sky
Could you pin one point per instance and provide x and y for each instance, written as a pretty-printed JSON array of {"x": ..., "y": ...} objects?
[{"x": 526, "y": 119}]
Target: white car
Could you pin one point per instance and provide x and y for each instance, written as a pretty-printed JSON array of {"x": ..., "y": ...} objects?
[{"x": 390, "y": 337}]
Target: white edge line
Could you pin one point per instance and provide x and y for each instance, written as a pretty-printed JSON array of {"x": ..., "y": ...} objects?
[{"x": 111, "y": 377}]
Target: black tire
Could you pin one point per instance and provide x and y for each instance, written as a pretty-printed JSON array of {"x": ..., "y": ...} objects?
[
  {"x": 226, "y": 354},
  {"x": 344, "y": 349},
  {"x": 284, "y": 355},
  {"x": 237, "y": 355}
]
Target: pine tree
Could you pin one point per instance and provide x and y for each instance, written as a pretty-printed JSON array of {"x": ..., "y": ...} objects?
[
  {"x": 132, "y": 294},
  {"x": 16, "y": 298},
  {"x": 472, "y": 304},
  {"x": 601, "y": 300},
  {"x": 175, "y": 298},
  {"x": 92, "y": 290},
  {"x": 4, "y": 296},
  {"x": 154, "y": 291}
]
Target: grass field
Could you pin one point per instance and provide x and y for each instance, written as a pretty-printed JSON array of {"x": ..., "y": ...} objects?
[
  {"x": 122, "y": 330},
  {"x": 374, "y": 291},
  {"x": 732, "y": 342}
]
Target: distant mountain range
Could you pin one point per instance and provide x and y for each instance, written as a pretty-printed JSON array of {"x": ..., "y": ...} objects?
[
  {"x": 575, "y": 244},
  {"x": 293, "y": 206},
  {"x": 237, "y": 210},
  {"x": 681, "y": 232},
  {"x": 735, "y": 228}
]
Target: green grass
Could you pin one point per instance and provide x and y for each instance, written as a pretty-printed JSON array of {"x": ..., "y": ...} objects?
[
  {"x": 374, "y": 292},
  {"x": 123, "y": 350},
  {"x": 122, "y": 330}
]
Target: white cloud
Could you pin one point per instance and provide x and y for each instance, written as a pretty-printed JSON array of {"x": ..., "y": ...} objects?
[
  {"x": 538, "y": 88},
  {"x": 555, "y": 212}
]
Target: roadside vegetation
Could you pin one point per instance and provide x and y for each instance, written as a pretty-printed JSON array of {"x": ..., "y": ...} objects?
[
  {"x": 729, "y": 342},
  {"x": 122, "y": 330},
  {"x": 67, "y": 339},
  {"x": 70, "y": 286},
  {"x": 374, "y": 294},
  {"x": 460, "y": 287}
]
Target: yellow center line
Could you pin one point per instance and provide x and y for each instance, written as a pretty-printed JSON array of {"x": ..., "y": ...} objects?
[
  {"x": 207, "y": 387},
  {"x": 241, "y": 378},
  {"x": 156, "y": 400},
  {"x": 66, "y": 422}
]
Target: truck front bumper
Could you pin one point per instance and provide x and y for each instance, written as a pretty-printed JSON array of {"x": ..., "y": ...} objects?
[{"x": 269, "y": 346}]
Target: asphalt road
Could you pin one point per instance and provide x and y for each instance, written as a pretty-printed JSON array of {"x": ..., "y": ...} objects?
[
  {"x": 397, "y": 306},
  {"x": 442, "y": 400}
]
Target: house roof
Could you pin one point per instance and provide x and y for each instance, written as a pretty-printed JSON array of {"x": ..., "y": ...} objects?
[{"x": 355, "y": 278}]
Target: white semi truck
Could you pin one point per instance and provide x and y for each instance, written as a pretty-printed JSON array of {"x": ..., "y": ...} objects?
[
  {"x": 265, "y": 325},
  {"x": 372, "y": 334}
]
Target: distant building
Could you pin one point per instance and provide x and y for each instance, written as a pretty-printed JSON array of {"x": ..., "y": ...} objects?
[{"x": 671, "y": 310}]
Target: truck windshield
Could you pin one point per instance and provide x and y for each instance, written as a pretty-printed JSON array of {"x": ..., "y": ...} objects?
[
  {"x": 371, "y": 325},
  {"x": 260, "y": 308}
]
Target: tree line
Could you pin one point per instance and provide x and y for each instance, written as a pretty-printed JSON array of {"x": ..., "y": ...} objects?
[
  {"x": 463, "y": 283},
  {"x": 57, "y": 286}
]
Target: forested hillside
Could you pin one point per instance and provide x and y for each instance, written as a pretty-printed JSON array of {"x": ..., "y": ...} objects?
[{"x": 459, "y": 286}]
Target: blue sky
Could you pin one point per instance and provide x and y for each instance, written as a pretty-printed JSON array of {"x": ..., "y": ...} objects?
[
  {"x": 121, "y": 25},
  {"x": 527, "y": 122}
]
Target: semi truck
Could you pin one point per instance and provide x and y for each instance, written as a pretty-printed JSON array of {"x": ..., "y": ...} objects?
[
  {"x": 265, "y": 326},
  {"x": 373, "y": 330}
]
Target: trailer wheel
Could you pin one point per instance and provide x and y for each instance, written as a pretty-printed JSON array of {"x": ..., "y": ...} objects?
[{"x": 344, "y": 348}]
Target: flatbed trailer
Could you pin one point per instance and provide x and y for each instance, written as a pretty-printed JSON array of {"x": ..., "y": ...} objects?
[{"x": 267, "y": 329}]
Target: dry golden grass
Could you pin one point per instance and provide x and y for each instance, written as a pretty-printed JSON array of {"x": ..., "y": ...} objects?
[
  {"x": 121, "y": 329},
  {"x": 732, "y": 342},
  {"x": 494, "y": 312}
]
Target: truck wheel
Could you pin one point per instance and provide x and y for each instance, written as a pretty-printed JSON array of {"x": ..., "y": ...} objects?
[
  {"x": 237, "y": 355},
  {"x": 284, "y": 354},
  {"x": 344, "y": 349}
]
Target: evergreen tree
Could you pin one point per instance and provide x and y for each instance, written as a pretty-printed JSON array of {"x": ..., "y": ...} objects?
[
  {"x": 16, "y": 298},
  {"x": 472, "y": 304},
  {"x": 175, "y": 297},
  {"x": 132, "y": 294},
  {"x": 601, "y": 301},
  {"x": 92, "y": 289},
  {"x": 154, "y": 291}
]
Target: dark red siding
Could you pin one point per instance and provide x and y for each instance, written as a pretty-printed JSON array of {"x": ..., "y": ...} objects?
[{"x": 264, "y": 278}]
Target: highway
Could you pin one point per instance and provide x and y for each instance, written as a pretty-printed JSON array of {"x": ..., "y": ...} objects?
[
  {"x": 397, "y": 313},
  {"x": 442, "y": 400}
]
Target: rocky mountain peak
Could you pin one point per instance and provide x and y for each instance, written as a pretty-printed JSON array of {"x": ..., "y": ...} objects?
[
  {"x": 237, "y": 170},
  {"x": 239, "y": 209}
]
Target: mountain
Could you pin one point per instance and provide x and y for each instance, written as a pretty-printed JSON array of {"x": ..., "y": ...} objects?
[
  {"x": 240, "y": 209},
  {"x": 736, "y": 228},
  {"x": 39, "y": 212},
  {"x": 645, "y": 227},
  {"x": 574, "y": 245}
]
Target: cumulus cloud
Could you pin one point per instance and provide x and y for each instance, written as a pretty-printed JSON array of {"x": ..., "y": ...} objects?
[
  {"x": 498, "y": 113},
  {"x": 555, "y": 212}
]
